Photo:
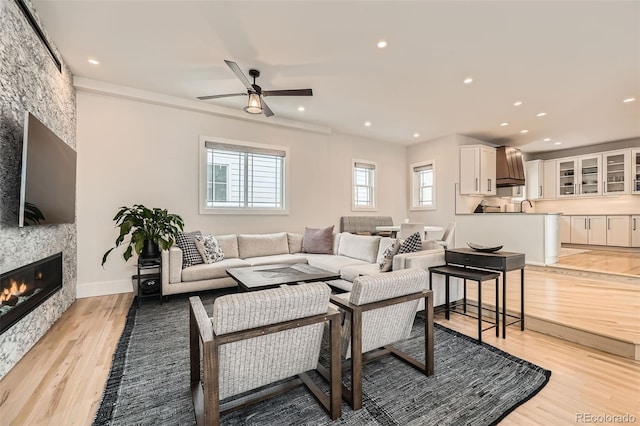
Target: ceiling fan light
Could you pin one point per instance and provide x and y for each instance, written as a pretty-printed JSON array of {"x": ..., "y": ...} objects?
[{"x": 255, "y": 104}]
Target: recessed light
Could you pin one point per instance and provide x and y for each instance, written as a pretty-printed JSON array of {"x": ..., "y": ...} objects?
[
  {"x": 301, "y": 108},
  {"x": 94, "y": 62},
  {"x": 557, "y": 143},
  {"x": 367, "y": 123},
  {"x": 517, "y": 103},
  {"x": 541, "y": 114},
  {"x": 468, "y": 80},
  {"x": 416, "y": 135},
  {"x": 382, "y": 44},
  {"x": 504, "y": 123},
  {"x": 628, "y": 100},
  {"x": 547, "y": 139},
  {"x": 524, "y": 131}
]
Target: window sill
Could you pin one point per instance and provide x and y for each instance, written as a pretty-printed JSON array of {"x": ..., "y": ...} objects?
[{"x": 242, "y": 212}]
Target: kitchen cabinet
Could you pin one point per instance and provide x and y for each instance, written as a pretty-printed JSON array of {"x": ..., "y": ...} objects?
[
  {"x": 534, "y": 178},
  {"x": 618, "y": 231},
  {"x": 589, "y": 230},
  {"x": 616, "y": 175},
  {"x": 549, "y": 180},
  {"x": 579, "y": 176},
  {"x": 635, "y": 171},
  {"x": 477, "y": 170},
  {"x": 565, "y": 229},
  {"x": 635, "y": 231}
]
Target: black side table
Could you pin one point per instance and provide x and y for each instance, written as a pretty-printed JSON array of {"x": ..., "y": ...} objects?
[{"x": 149, "y": 278}]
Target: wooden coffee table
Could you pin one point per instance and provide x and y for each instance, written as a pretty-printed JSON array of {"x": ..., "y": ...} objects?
[{"x": 253, "y": 278}]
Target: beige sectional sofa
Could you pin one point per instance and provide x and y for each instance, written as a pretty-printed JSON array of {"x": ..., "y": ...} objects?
[{"x": 354, "y": 255}]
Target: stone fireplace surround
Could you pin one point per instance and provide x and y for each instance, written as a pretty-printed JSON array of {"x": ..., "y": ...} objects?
[{"x": 31, "y": 82}]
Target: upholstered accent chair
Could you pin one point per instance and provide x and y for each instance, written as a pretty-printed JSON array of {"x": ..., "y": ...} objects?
[
  {"x": 407, "y": 229},
  {"x": 447, "y": 236},
  {"x": 259, "y": 338},
  {"x": 380, "y": 311}
]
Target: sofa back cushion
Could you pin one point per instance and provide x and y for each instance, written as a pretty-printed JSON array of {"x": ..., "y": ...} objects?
[
  {"x": 254, "y": 245},
  {"x": 295, "y": 242},
  {"x": 229, "y": 245},
  {"x": 359, "y": 247}
]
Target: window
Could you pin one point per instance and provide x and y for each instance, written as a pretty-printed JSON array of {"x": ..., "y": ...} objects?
[
  {"x": 364, "y": 188},
  {"x": 423, "y": 185},
  {"x": 242, "y": 176}
]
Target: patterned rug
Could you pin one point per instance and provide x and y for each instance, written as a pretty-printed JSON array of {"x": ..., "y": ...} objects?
[{"x": 472, "y": 385}]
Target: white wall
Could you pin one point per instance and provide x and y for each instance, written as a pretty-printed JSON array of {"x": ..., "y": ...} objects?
[
  {"x": 131, "y": 151},
  {"x": 445, "y": 151}
]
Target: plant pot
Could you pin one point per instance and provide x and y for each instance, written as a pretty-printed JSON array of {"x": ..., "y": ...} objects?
[{"x": 150, "y": 249}]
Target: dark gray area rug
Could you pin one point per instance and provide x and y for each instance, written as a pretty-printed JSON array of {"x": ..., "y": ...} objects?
[{"x": 472, "y": 385}]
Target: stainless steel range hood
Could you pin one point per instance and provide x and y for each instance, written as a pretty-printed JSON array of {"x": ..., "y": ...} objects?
[{"x": 509, "y": 167}]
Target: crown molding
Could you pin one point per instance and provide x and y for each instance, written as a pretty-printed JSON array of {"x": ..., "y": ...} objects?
[{"x": 109, "y": 89}]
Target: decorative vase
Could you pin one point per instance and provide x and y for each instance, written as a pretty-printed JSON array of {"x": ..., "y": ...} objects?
[{"x": 150, "y": 249}]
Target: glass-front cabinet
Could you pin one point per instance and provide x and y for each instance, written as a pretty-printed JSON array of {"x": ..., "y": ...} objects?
[
  {"x": 616, "y": 176},
  {"x": 567, "y": 172},
  {"x": 590, "y": 172},
  {"x": 635, "y": 171}
]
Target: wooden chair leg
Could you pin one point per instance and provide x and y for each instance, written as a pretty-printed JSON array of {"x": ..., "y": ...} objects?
[
  {"x": 356, "y": 360},
  {"x": 335, "y": 406}
]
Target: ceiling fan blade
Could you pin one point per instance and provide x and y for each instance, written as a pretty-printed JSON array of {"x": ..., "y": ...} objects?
[
  {"x": 266, "y": 109},
  {"x": 291, "y": 92},
  {"x": 238, "y": 72},
  {"x": 204, "y": 98}
]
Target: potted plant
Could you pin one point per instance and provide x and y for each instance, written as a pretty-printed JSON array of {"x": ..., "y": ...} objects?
[{"x": 150, "y": 229}]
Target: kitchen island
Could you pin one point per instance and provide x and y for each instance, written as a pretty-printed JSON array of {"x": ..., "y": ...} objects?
[{"x": 534, "y": 234}]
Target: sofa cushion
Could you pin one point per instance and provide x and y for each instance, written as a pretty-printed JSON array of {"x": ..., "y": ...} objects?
[
  {"x": 254, "y": 245},
  {"x": 331, "y": 263},
  {"x": 287, "y": 259},
  {"x": 350, "y": 273},
  {"x": 207, "y": 271},
  {"x": 318, "y": 240},
  {"x": 187, "y": 243},
  {"x": 386, "y": 264},
  {"x": 412, "y": 243},
  {"x": 229, "y": 245},
  {"x": 209, "y": 248},
  {"x": 359, "y": 247},
  {"x": 295, "y": 242}
]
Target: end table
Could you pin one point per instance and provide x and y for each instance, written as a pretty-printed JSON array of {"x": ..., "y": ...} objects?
[{"x": 149, "y": 278}]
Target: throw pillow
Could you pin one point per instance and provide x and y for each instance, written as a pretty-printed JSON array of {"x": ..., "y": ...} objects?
[
  {"x": 318, "y": 240},
  {"x": 187, "y": 243},
  {"x": 387, "y": 256},
  {"x": 209, "y": 248},
  {"x": 411, "y": 244}
]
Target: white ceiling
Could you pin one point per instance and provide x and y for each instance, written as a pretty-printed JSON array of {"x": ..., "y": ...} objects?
[{"x": 574, "y": 60}]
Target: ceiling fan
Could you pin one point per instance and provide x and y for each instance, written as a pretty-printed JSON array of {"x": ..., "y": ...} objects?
[{"x": 256, "y": 104}]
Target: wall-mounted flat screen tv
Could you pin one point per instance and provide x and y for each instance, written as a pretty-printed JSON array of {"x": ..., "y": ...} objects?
[{"x": 48, "y": 186}]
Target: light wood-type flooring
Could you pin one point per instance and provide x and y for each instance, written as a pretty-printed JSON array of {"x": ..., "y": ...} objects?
[
  {"x": 60, "y": 381},
  {"x": 607, "y": 261}
]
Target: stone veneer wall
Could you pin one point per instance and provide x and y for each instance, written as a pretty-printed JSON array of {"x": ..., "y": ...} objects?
[{"x": 30, "y": 81}]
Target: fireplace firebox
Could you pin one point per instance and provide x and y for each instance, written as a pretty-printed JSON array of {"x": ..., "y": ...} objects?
[{"x": 25, "y": 288}]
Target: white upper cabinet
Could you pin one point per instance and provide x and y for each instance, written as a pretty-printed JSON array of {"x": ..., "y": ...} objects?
[
  {"x": 477, "y": 170},
  {"x": 616, "y": 176},
  {"x": 567, "y": 172},
  {"x": 534, "y": 178},
  {"x": 635, "y": 171},
  {"x": 590, "y": 171},
  {"x": 549, "y": 186}
]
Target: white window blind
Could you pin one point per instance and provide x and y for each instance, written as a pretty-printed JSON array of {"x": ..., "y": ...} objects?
[
  {"x": 364, "y": 185},
  {"x": 244, "y": 177}
]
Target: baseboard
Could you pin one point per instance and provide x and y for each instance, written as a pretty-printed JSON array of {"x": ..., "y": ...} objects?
[{"x": 103, "y": 288}]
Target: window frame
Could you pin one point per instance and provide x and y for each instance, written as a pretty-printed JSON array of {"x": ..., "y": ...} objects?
[
  {"x": 374, "y": 186},
  {"x": 202, "y": 179},
  {"x": 415, "y": 185}
]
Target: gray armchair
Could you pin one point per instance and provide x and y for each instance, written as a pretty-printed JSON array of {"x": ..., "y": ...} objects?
[
  {"x": 379, "y": 312},
  {"x": 258, "y": 338}
]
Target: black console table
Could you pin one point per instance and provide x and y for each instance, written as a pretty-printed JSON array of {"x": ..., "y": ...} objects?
[{"x": 502, "y": 261}]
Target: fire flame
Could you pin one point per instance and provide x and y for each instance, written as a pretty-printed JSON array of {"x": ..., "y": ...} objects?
[{"x": 14, "y": 290}]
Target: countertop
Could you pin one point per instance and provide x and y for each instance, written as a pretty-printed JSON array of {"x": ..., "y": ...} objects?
[{"x": 506, "y": 213}]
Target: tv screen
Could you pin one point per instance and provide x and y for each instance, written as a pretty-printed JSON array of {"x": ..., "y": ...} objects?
[{"x": 48, "y": 187}]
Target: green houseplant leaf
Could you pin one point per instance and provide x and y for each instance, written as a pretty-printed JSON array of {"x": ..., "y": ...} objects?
[{"x": 140, "y": 223}]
